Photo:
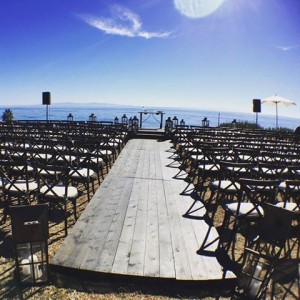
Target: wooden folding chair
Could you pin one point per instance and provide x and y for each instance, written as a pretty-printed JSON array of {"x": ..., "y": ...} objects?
[
  {"x": 54, "y": 188},
  {"x": 265, "y": 255},
  {"x": 18, "y": 185},
  {"x": 224, "y": 190},
  {"x": 242, "y": 216},
  {"x": 82, "y": 171}
]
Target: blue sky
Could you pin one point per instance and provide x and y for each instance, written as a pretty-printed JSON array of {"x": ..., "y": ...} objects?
[{"x": 209, "y": 54}]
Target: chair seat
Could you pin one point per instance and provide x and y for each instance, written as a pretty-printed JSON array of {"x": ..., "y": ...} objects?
[
  {"x": 228, "y": 158},
  {"x": 238, "y": 169},
  {"x": 189, "y": 149},
  {"x": 272, "y": 172},
  {"x": 118, "y": 140},
  {"x": 282, "y": 186},
  {"x": 266, "y": 189},
  {"x": 48, "y": 172},
  {"x": 81, "y": 173},
  {"x": 94, "y": 160},
  {"x": 209, "y": 167},
  {"x": 102, "y": 152},
  {"x": 247, "y": 209},
  {"x": 42, "y": 156},
  {"x": 245, "y": 157},
  {"x": 113, "y": 144},
  {"x": 291, "y": 206},
  {"x": 197, "y": 157},
  {"x": 21, "y": 185},
  {"x": 276, "y": 171},
  {"x": 18, "y": 154},
  {"x": 59, "y": 191},
  {"x": 69, "y": 158},
  {"x": 21, "y": 168},
  {"x": 226, "y": 185}
]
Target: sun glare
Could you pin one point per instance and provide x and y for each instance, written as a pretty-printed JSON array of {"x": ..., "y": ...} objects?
[{"x": 197, "y": 8}]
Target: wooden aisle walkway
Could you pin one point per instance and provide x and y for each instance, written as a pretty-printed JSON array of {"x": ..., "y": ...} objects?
[{"x": 134, "y": 226}]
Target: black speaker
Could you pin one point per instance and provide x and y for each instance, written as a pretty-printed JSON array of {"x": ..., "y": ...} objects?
[
  {"x": 46, "y": 98},
  {"x": 256, "y": 106}
]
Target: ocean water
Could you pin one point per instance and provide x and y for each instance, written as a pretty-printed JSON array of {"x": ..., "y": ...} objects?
[{"x": 103, "y": 112}]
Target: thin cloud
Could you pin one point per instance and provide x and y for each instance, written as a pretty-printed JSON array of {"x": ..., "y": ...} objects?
[
  {"x": 287, "y": 48},
  {"x": 124, "y": 23}
]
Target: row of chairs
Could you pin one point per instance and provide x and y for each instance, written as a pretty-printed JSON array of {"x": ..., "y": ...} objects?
[
  {"x": 243, "y": 183},
  {"x": 241, "y": 150},
  {"x": 262, "y": 140},
  {"x": 52, "y": 171},
  {"x": 214, "y": 164},
  {"x": 215, "y": 171},
  {"x": 23, "y": 182},
  {"x": 28, "y": 133},
  {"x": 62, "y": 129},
  {"x": 241, "y": 190}
]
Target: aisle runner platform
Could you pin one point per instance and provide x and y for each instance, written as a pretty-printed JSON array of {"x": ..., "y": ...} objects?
[{"x": 134, "y": 226}]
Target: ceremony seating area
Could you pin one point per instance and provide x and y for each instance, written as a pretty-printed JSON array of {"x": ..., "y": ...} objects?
[
  {"x": 55, "y": 162},
  {"x": 236, "y": 176},
  {"x": 247, "y": 182}
]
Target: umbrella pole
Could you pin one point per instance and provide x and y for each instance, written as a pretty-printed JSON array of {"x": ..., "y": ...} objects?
[{"x": 276, "y": 115}]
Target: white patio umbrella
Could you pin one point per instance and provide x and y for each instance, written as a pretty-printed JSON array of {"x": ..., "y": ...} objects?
[{"x": 274, "y": 100}]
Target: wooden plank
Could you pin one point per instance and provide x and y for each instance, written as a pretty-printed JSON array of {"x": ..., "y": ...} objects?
[
  {"x": 106, "y": 257},
  {"x": 71, "y": 242},
  {"x": 151, "y": 265},
  {"x": 152, "y": 173},
  {"x": 136, "y": 260},
  {"x": 123, "y": 252},
  {"x": 166, "y": 253},
  {"x": 158, "y": 165},
  {"x": 198, "y": 269},
  {"x": 100, "y": 216},
  {"x": 126, "y": 165},
  {"x": 181, "y": 260},
  {"x": 140, "y": 171},
  {"x": 83, "y": 227},
  {"x": 168, "y": 173}
]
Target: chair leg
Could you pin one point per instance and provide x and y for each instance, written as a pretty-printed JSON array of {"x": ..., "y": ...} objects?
[
  {"x": 66, "y": 219},
  {"x": 88, "y": 191},
  {"x": 75, "y": 208},
  {"x": 93, "y": 186},
  {"x": 100, "y": 173}
]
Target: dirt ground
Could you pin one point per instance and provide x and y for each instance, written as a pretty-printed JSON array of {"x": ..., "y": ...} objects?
[{"x": 62, "y": 287}]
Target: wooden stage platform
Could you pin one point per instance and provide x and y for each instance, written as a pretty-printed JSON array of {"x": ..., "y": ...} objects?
[{"x": 134, "y": 225}]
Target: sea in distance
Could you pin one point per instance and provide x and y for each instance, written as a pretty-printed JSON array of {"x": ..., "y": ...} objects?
[{"x": 107, "y": 112}]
